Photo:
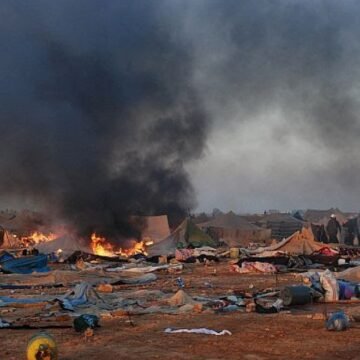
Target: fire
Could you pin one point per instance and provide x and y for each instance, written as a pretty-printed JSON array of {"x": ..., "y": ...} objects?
[
  {"x": 100, "y": 246},
  {"x": 37, "y": 237},
  {"x": 137, "y": 248}
]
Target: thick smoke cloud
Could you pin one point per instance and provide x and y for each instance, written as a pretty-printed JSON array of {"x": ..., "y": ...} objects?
[
  {"x": 98, "y": 116},
  {"x": 105, "y": 105}
]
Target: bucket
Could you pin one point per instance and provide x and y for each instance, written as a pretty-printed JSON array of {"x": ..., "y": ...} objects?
[
  {"x": 234, "y": 253},
  {"x": 296, "y": 295},
  {"x": 41, "y": 342}
]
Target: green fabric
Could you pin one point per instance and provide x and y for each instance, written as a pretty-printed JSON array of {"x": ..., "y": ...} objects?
[{"x": 196, "y": 237}]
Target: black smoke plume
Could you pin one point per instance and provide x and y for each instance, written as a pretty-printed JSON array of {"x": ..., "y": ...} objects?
[{"x": 98, "y": 113}]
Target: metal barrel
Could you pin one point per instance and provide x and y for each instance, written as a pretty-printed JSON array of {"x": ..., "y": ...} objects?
[{"x": 296, "y": 295}]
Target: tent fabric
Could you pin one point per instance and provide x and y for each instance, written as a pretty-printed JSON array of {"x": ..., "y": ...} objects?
[
  {"x": 67, "y": 244},
  {"x": 9, "y": 241},
  {"x": 282, "y": 225},
  {"x": 26, "y": 265},
  {"x": 5, "y": 256},
  {"x": 187, "y": 234},
  {"x": 156, "y": 228},
  {"x": 229, "y": 221},
  {"x": 300, "y": 243},
  {"x": 235, "y": 230}
]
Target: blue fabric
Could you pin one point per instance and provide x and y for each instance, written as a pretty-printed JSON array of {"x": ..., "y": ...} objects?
[
  {"x": 347, "y": 290},
  {"x": 26, "y": 265},
  {"x": 5, "y": 301},
  {"x": 338, "y": 321}
]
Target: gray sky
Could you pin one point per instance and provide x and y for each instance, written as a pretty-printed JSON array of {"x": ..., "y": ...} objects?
[{"x": 280, "y": 81}]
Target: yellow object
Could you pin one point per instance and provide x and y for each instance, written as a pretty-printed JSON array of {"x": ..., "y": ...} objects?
[
  {"x": 42, "y": 346},
  {"x": 234, "y": 253}
]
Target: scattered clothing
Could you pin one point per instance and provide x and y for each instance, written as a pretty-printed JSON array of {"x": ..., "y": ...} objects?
[
  {"x": 330, "y": 285},
  {"x": 254, "y": 267},
  {"x": 4, "y": 324},
  {"x": 198, "y": 331},
  {"x": 82, "y": 295},
  {"x": 337, "y": 322}
]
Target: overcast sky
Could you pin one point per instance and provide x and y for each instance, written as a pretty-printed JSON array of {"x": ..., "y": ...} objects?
[{"x": 280, "y": 81}]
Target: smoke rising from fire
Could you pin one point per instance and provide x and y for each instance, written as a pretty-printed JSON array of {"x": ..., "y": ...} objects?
[
  {"x": 105, "y": 105},
  {"x": 98, "y": 114}
]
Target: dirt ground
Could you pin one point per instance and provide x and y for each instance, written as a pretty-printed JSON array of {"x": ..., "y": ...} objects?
[{"x": 289, "y": 335}]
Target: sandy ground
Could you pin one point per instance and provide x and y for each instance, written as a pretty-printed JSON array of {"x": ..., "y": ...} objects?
[{"x": 254, "y": 336}]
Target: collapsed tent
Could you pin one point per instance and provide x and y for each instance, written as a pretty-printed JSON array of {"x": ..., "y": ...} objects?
[
  {"x": 8, "y": 241},
  {"x": 186, "y": 235},
  {"x": 235, "y": 230},
  {"x": 26, "y": 265},
  {"x": 67, "y": 245},
  {"x": 300, "y": 243}
]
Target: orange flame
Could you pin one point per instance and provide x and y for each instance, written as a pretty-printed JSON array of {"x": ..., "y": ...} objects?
[
  {"x": 100, "y": 246},
  {"x": 37, "y": 237}
]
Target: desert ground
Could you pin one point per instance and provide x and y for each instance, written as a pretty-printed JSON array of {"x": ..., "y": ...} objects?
[{"x": 295, "y": 333}]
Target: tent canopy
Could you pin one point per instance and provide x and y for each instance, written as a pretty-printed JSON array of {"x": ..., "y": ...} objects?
[
  {"x": 9, "y": 241},
  {"x": 156, "y": 228},
  {"x": 300, "y": 243},
  {"x": 321, "y": 217},
  {"x": 67, "y": 244},
  {"x": 187, "y": 234}
]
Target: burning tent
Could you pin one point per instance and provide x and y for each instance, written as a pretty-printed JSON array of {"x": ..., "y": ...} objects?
[
  {"x": 187, "y": 234},
  {"x": 8, "y": 241},
  {"x": 66, "y": 245}
]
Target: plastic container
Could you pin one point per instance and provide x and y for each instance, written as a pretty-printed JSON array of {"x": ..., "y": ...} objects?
[
  {"x": 41, "y": 341},
  {"x": 234, "y": 253}
]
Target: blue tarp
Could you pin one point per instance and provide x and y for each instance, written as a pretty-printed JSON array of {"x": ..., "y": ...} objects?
[
  {"x": 5, "y": 256},
  {"x": 26, "y": 265},
  {"x": 6, "y": 301}
]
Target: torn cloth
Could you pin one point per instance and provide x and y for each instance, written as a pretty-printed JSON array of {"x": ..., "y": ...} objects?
[
  {"x": 198, "y": 331},
  {"x": 82, "y": 295}
]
